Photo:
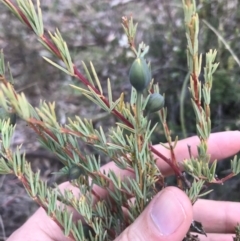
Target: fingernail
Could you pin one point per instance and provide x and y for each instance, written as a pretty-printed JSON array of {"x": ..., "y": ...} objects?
[{"x": 167, "y": 213}]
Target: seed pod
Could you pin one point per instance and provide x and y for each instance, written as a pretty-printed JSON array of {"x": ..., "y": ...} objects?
[
  {"x": 155, "y": 103},
  {"x": 87, "y": 230},
  {"x": 4, "y": 115},
  {"x": 140, "y": 74},
  {"x": 74, "y": 172},
  {"x": 13, "y": 118}
]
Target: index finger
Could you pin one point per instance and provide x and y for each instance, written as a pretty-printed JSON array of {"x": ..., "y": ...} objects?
[{"x": 220, "y": 145}]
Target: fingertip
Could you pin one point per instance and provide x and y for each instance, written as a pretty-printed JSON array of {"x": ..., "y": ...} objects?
[
  {"x": 222, "y": 145},
  {"x": 167, "y": 217},
  {"x": 172, "y": 213}
]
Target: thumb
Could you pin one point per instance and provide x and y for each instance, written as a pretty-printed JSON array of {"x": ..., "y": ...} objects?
[{"x": 167, "y": 217}]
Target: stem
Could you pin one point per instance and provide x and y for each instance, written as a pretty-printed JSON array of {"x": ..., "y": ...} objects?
[
  {"x": 139, "y": 142},
  {"x": 172, "y": 162},
  {"x": 182, "y": 97},
  {"x": 175, "y": 168},
  {"x": 138, "y": 108},
  {"x": 134, "y": 50}
]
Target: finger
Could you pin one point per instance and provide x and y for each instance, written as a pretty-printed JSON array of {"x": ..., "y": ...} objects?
[
  {"x": 217, "y": 216},
  {"x": 39, "y": 227},
  {"x": 220, "y": 145},
  {"x": 166, "y": 218}
]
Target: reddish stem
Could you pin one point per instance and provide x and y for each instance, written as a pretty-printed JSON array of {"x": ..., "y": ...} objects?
[
  {"x": 49, "y": 43},
  {"x": 196, "y": 97},
  {"x": 87, "y": 83},
  {"x": 175, "y": 168},
  {"x": 221, "y": 181}
]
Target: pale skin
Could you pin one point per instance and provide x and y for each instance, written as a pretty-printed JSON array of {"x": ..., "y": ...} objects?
[{"x": 218, "y": 218}]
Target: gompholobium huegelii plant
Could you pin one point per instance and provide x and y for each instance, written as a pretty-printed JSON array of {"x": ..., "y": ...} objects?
[{"x": 128, "y": 144}]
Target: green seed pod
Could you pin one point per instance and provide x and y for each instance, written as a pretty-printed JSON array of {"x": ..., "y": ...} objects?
[
  {"x": 13, "y": 118},
  {"x": 140, "y": 74},
  {"x": 4, "y": 115},
  {"x": 155, "y": 103},
  {"x": 87, "y": 230},
  {"x": 74, "y": 172}
]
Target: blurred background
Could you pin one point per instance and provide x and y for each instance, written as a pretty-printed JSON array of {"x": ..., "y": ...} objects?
[{"x": 93, "y": 32}]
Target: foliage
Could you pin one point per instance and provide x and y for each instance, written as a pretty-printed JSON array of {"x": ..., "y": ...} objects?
[{"x": 129, "y": 143}]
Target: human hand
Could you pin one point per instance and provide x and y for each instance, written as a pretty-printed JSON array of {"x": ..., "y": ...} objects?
[{"x": 169, "y": 214}]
